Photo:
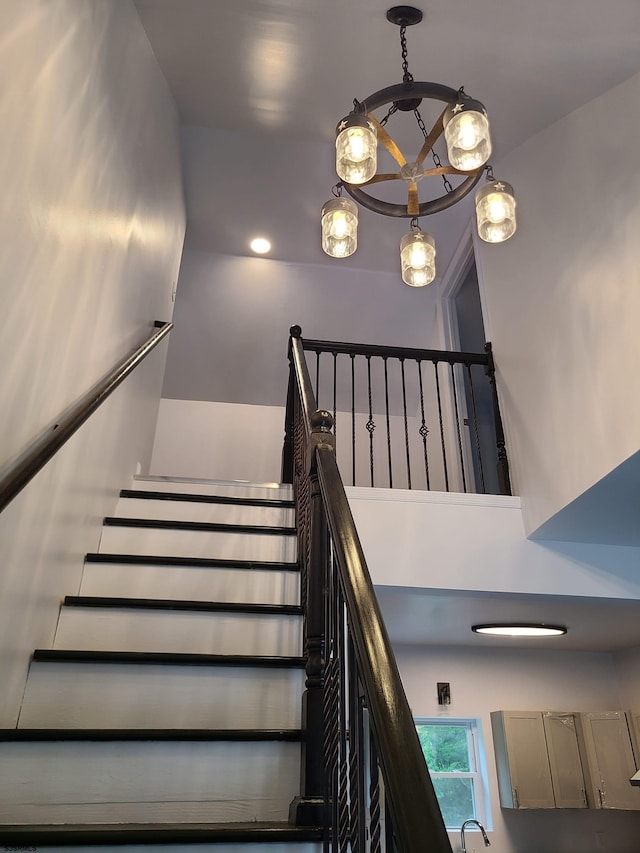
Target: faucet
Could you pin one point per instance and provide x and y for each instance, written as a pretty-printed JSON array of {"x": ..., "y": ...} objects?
[{"x": 487, "y": 843}]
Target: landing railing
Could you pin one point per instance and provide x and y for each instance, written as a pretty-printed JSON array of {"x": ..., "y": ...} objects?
[
  {"x": 412, "y": 418},
  {"x": 364, "y": 775}
]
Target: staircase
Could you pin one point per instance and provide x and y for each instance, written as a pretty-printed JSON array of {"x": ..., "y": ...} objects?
[{"x": 168, "y": 710}]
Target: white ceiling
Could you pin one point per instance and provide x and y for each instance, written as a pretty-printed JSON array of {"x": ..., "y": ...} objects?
[
  {"x": 279, "y": 74},
  {"x": 261, "y": 85}
]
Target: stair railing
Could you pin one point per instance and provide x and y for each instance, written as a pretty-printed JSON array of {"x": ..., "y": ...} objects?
[
  {"x": 22, "y": 470},
  {"x": 363, "y": 774}
]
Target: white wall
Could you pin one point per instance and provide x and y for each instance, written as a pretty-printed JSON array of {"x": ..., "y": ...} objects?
[
  {"x": 563, "y": 301},
  {"x": 92, "y": 221},
  {"x": 513, "y": 679},
  {"x": 627, "y": 665}
]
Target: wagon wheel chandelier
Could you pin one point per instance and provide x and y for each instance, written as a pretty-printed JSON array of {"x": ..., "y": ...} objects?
[{"x": 465, "y": 127}]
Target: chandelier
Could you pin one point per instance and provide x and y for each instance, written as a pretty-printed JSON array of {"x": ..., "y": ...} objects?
[{"x": 465, "y": 127}]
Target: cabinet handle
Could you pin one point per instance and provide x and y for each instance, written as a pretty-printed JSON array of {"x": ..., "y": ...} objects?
[
  {"x": 516, "y": 798},
  {"x": 601, "y": 798},
  {"x": 584, "y": 798}
]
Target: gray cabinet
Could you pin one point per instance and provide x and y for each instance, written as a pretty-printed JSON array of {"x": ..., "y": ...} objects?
[
  {"x": 538, "y": 760},
  {"x": 606, "y": 746}
]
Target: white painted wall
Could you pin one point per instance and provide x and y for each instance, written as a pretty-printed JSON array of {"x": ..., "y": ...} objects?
[
  {"x": 92, "y": 222},
  {"x": 477, "y": 542},
  {"x": 513, "y": 679},
  {"x": 627, "y": 665},
  {"x": 563, "y": 301}
]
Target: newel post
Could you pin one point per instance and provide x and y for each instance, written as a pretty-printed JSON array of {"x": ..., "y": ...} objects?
[
  {"x": 504, "y": 480},
  {"x": 308, "y": 809}
]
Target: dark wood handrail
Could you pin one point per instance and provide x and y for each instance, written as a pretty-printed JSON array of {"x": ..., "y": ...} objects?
[
  {"x": 417, "y": 820},
  {"x": 411, "y": 353},
  {"x": 40, "y": 450}
]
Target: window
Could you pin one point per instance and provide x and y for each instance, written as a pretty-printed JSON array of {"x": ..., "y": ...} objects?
[{"x": 455, "y": 759}]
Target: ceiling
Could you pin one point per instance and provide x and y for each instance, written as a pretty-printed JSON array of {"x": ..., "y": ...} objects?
[
  {"x": 260, "y": 86},
  {"x": 269, "y": 80}
]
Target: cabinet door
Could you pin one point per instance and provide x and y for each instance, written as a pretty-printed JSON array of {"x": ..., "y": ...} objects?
[
  {"x": 610, "y": 760},
  {"x": 521, "y": 755},
  {"x": 633, "y": 719},
  {"x": 567, "y": 777}
]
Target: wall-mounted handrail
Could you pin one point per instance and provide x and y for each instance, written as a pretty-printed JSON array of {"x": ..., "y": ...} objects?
[
  {"x": 351, "y": 666},
  {"x": 41, "y": 449}
]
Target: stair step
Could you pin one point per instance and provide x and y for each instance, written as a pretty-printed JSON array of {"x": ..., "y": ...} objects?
[
  {"x": 128, "y": 626},
  {"x": 205, "y": 508},
  {"x": 180, "y": 659},
  {"x": 182, "y": 604},
  {"x": 200, "y": 526},
  {"x": 78, "y": 781},
  {"x": 191, "y": 581},
  {"x": 237, "y": 488},
  {"x": 96, "y": 690},
  {"x": 245, "y": 735},
  {"x": 277, "y": 835},
  {"x": 197, "y": 540}
]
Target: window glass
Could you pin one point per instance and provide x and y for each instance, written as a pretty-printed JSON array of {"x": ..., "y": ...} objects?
[{"x": 453, "y": 753}]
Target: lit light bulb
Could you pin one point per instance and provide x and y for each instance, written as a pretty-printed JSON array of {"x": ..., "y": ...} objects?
[
  {"x": 496, "y": 209},
  {"x": 339, "y": 225},
  {"x": 468, "y": 135},
  {"x": 356, "y": 144},
  {"x": 418, "y": 256}
]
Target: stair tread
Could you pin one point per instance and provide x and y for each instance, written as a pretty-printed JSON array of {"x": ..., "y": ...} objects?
[
  {"x": 203, "y": 526},
  {"x": 75, "y": 734},
  {"x": 201, "y": 562},
  {"x": 168, "y": 658},
  {"x": 187, "y": 497},
  {"x": 181, "y": 604},
  {"x": 159, "y": 833}
]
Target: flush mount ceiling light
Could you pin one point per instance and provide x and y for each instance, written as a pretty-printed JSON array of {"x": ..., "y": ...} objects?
[
  {"x": 520, "y": 629},
  {"x": 464, "y": 124},
  {"x": 260, "y": 245}
]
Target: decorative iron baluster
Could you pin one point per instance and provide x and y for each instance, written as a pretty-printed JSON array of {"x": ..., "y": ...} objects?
[
  {"x": 475, "y": 428},
  {"x": 424, "y": 429},
  {"x": 455, "y": 404},
  {"x": 386, "y": 400},
  {"x": 353, "y": 421},
  {"x": 317, "y": 376},
  {"x": 406, "y": 426},
  {"x": 370, "y": 424},
  {"x": 444, "y": 450}
]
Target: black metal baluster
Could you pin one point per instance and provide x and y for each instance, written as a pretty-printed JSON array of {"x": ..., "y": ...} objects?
[
  {"x": 389, "y": 838},
  {"x": 444, "y": 450},
  {"x": 406, "y": 426},
  {"x": 455, "y": 402},
  {"x": 424, "y": 429},
  {"x": 343, "y": 762},
  {"x": 370, "y": 424},
  {"x": 317, "y": 377},
  {"x": 330, "y": 708},
  {"x": 475, "y": 428},
  {"x": 356, "y": 757},
  {"x": 335, "y": 360},
  {"x": 353, "y": 421},
  {"x": 504, "y": 480},
  {"x": 386, "y": 400},
  {"x": 374, "y": 798}
]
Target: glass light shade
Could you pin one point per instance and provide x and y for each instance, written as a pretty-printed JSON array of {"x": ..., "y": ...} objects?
[
  {"x": 495, "y": 212},
  {"x": 418, "y": 258},
  {"x": 339, "y": 227},
  {"x": 356, "y": 150},
  {"x": 466, "y": 132}
]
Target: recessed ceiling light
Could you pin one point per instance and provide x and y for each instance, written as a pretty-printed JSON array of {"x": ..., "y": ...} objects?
[
  {"x": 520, "y": 629},
  {"x": 260, "y": 246}
]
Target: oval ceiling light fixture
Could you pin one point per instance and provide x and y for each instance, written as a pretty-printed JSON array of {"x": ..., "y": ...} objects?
[
  {"x": 260, "y": 245},
  {"x": 520, "y": 629}
]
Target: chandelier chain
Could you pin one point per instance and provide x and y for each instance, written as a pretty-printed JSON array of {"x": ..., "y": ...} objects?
[
  {"x": 407, "y": 77},
  {"x": 392, "y": 109},
  {"x": 436, "y": 159}
]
